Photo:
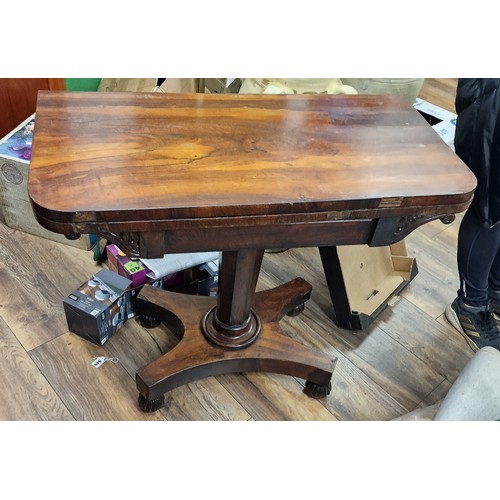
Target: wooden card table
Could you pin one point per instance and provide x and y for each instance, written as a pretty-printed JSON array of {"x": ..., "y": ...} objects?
[{"x": 164, "y": 173}]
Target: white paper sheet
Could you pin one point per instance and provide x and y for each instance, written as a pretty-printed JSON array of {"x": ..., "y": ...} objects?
[{"x": 171, "y": 263}]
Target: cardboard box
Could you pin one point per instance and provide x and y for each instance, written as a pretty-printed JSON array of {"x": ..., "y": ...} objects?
[
  {"x": 222, "y": 85},
  {"x": 15, "y": 156},
  {"x": 99, "y": 307},
  {"x": 200, "y": 280},
  {"x": 208, "y": 278},
  {"x": 137, "y": 271},
  {"x": 171, "y": 281},
  {"x": 442, "y": 121},
  {"x": 362, "y": 280},
  {"x": 168, "y": 85},
  {"x": 134, "y": 270}
]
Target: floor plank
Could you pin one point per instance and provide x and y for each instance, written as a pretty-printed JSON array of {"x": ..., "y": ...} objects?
[
  {"x": 26, "y": 394},
  {"x": 27, "y": 296},
  {"x": 439, "y": 346},
  {"x": 104, "y": 393},
  {"x": 252, "y": 399},
  {"x": 286, "y": 394},
  {"x": 356, "y": 397},
  {"x": 204, "y": 399}
]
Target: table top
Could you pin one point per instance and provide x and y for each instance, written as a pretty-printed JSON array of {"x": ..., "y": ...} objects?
[{"x": 154, "y": 156}]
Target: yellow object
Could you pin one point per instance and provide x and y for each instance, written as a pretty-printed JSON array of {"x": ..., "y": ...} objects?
[
  {"x": 295, "y": 86},
  {"x": 409, "y": 88}
]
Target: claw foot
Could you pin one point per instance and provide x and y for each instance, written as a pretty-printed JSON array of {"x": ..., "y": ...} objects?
[
  {"x": 317, "y": 391},
  {"x": 150, "y": 405}
]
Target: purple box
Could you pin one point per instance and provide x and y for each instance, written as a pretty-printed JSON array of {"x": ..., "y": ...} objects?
[{"x": 133, "y": 270}]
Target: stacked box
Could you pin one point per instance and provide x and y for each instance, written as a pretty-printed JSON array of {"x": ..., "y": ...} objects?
[
  {"x": 200, "y": 279},
  {"x": 136, "y": 271},
  {"x": 132, "y": 269},
  {"x": 15, "y": 156}
]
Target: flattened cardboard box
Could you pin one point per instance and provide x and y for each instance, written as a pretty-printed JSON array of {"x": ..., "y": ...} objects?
[
  {"x": 366, "y": 279},
  {"x": 15, "y": 155}
]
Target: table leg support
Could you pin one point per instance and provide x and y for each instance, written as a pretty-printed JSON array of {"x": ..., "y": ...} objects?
[{"x": 196, "y": 357}]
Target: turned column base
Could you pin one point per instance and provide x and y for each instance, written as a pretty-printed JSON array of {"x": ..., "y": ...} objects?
[{"x": 228, "y": 337}]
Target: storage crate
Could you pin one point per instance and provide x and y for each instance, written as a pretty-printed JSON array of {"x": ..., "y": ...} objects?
[{"x": 15, "y": 155}]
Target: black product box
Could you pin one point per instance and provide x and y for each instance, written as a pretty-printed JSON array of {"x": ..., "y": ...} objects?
[
  {"x": 208, "y": 278},
  {"x": 199, "y": 280},
  {"x": 99, "y": 307},
  {"x": 134, "y": 292}
]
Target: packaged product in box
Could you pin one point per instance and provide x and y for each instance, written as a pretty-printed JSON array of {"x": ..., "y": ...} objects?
[
  {"x": 132, "y": 269},
  {"x": 15, "y": 156},
  {"x": 99, "y": 307},
  {"x": 208, "y": 278},
  {"x": 112, "y": 257},
  {"x": 171, "y": 281}
]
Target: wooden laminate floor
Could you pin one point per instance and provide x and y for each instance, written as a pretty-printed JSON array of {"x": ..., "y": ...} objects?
[{"x": 407, "y": 359}]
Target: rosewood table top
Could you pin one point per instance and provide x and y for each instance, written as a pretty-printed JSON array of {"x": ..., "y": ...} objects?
[{"x": 126, "y": 162}]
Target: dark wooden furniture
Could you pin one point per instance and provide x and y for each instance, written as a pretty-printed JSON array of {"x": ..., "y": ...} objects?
[
  {"x": 18, "y": 99},
  {"x": 158, "y": 173}
]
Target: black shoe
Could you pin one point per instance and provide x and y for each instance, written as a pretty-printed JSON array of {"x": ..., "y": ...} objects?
[{"x": 476, "y": 324}]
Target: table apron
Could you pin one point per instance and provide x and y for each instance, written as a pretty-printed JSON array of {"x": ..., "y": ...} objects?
[
  {"x": 156, "y": 241},
  {"x": 240, "y": 238}
]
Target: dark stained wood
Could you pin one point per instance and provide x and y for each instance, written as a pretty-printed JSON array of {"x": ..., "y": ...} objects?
[
  {"x": 18, "y": 99},
  {"x": 306, "y": 158},
  {"x": 196, "y": 357},
  {"x": 241, "y": 173},
  {"x": 239, "y": 267},
  {"x": 336, "y": 285}
]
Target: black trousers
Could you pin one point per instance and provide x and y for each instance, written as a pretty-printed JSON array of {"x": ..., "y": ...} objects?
[{"x": 478, "y": 259}]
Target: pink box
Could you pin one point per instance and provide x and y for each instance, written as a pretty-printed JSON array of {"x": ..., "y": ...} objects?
[
  {"x": 112, "y": 254},
  {"x": 136, "y": 271}
]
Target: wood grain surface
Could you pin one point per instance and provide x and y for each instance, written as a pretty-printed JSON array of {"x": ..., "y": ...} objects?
[{"x": 168, "y": 156}]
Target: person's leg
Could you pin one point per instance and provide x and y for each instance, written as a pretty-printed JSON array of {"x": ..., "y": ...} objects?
[
  {"x": 470, "y": 313},
  {"x": 494, "y": 285},
  {"x": 478, "y": 247}
]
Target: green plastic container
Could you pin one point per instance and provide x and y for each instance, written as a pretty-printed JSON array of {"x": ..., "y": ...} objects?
[{"x": 82, "y": 84}]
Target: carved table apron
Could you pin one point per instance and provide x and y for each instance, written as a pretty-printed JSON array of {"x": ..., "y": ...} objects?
[{"x": 157, "y": 173}]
